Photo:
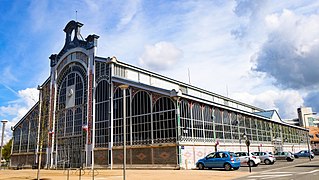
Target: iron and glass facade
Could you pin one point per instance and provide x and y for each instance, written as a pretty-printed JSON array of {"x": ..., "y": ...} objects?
[{"x": 78, "y": 121}]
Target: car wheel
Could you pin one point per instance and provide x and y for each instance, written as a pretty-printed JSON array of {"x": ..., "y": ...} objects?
[
  {"x": 201, "y": 166},
  {"x": 267, "y": 161},
  {"x": 227, "y": 167},
  {"x": 236, "y": 168},
  {"x": 296, "y": 156},
  {"x": 251, "y": 163}
]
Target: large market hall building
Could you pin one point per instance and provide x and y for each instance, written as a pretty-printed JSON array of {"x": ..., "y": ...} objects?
[{"x": 78, "y": 120}]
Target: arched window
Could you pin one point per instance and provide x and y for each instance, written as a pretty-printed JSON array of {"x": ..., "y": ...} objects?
[
  {"x": 24, "y": 135},
  {"x": 234, "y": 124},
  {"x": 218, "y": 123},
  {"x": 208, "y": 124},
  {"x": 227, "y": 124},
  {"x": 102, "y": 117},
  {"x": 164, "y": 124},
  {"x": 241, "y": 123},
  {"x": 248, "y": 127},
  {"x": 198, "y": 122},
  {"x": 118, "y": 117},
  {"x": 141, "y": 118},
  {"x": 186, "y": 121},
  {"x": 16, "y": 140},
  {"x": 33, "y": 131}
]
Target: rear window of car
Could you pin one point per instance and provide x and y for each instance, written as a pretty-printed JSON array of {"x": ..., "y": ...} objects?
[{"x": 232, "y": 154}]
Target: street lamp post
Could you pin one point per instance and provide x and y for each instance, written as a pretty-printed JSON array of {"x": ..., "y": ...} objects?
[
  {"x": 247, "y": 142},
  {"x": 40, "y": 130},
  {"x": 124, "y": 87},
  {"x": 3, "y": 128},
  {"x": 176, "y": 95},
  {"x": 304, "y": 123}
]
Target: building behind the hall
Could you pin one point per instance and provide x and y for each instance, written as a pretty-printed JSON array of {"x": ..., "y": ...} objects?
[{"x": 78, "y": 120}]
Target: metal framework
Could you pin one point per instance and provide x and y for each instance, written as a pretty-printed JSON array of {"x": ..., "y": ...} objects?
[
  {"x": 82, "y": 97},
  {"x": 226, "y": 126}
]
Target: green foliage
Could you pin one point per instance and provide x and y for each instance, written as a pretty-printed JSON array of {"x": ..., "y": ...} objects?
[{"x": 6, "y": 151}]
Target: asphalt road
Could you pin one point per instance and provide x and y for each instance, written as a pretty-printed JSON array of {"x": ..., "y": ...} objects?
[{"x": 300, "y": 169}]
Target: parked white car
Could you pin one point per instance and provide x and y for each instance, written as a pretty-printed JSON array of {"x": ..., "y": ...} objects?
[
  {"x": 265, "y": 157},
  {"x": 250, "y": 160}
]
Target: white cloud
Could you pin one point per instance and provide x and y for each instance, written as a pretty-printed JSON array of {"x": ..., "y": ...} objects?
[
  {"x": 130, "y": 10},
  {"x": 29, "y": 96},
  {"x": 290, "y": 54},
  {"x": 160, "y": 56},
  {"x": 18, "y": 108},
  {"x": 285, "y": 102}
]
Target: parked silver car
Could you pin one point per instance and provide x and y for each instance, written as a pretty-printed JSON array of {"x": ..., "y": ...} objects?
[
  {"x": 284, "y": 155},
  {"x": 266, "y": 157}
]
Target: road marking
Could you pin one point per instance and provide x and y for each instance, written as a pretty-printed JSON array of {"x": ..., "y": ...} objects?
[
  {"x": 110, "y": 177},
  {"x": 276, "y": 172},
  {"x": 269, "y": 175},
  {"x": 307, "y": 163},
  {"x": 309, "y": 172}
]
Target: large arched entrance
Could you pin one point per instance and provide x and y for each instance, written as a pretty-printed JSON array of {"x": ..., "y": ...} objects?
[{"x": 71, "y": 115}]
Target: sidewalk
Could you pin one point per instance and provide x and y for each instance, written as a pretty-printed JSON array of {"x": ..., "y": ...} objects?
[{"x": 28, "y": 174}]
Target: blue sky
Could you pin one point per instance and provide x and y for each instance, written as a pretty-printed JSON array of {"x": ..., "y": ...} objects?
[{"x": 264, "y": 53}]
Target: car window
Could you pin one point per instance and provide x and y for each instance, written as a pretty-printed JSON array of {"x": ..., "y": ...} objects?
[
  {"x": 217, "y": 155},
  {"x": 233, "y": 154},
  {"x": 210, "y": 155},
  {"x": 223, "y": 155}
]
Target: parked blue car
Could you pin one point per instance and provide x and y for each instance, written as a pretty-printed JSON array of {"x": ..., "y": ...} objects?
[
  {"x": 304, "y": 153},
  {"x": 220, "y": 159}
]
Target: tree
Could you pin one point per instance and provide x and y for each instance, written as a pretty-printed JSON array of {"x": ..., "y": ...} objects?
[{"x": 6, "y": 151}]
